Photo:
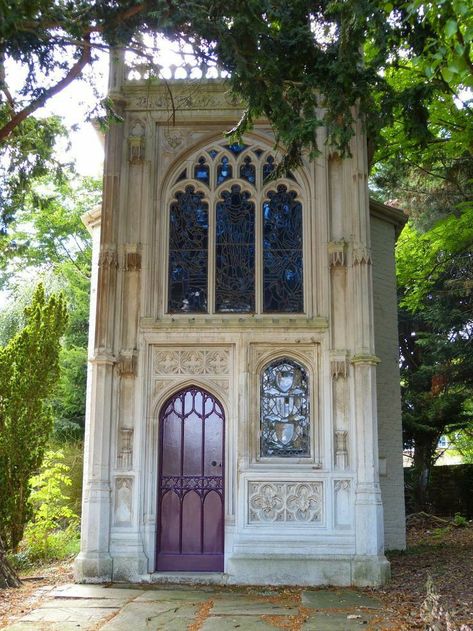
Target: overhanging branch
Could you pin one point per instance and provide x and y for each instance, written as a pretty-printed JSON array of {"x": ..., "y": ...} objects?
[{"x": 73, "y": 73}]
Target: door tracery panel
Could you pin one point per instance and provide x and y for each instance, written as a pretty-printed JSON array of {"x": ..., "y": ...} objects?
[{"x": 191, "y": 483}]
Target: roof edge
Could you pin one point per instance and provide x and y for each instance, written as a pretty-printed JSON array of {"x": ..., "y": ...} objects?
[{"x": 391, "y": 214}]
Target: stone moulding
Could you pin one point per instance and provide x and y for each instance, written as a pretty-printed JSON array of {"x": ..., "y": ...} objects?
[
  {"x": 337, "y": 253},
  {"x": 367, "y": 360},
  {"x": 339, "y": 364},
  {"x": 127, "y": 363},
  {"x": 108, "y": 257},
  {"x": 362, "y": 255}
]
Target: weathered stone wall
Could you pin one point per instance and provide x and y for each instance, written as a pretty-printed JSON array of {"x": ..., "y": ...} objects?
[{"x": 388, "y": 390}]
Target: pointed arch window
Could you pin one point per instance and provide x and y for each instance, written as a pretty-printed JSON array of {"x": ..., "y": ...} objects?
[{"x": 235, "y": 238}]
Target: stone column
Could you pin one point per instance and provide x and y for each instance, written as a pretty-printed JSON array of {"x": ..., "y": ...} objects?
[
  {"x": 337, "y": 252},
  {"x": 370, "y": 566},
  {"x": 94, "y": 563}
]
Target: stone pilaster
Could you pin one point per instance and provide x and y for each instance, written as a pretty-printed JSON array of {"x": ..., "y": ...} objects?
[{"x": 94, "y": 562}]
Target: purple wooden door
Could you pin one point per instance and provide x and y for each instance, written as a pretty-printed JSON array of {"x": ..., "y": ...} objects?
[{"x": 190, "y": 484}]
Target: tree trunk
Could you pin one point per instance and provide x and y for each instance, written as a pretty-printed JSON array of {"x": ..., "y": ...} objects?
[
  {"x": 423, "y": 461},
  {"x": 8, "y": 576}
]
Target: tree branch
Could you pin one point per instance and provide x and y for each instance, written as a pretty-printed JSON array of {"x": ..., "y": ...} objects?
[{"x": 73, "y": 73}]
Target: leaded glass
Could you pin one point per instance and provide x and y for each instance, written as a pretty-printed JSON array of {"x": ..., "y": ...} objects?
[
  {"x": 285, "y": 422},
  {"x": 212, "y": 153},
  {"x": 235, "y": 252},
  {"x": 268, "y": 168},
  {"x": 236, "y": 148},
  {"x": 188, "y": 260},
  {"x": 224, "y": 170},
  {"x": 248, "y": 171},
  {"x": 282, "y": 253},
  {"x": 201, "y": 171}
]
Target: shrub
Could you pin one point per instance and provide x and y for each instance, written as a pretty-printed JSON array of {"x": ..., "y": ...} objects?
[{"x": 52, "y": 533}]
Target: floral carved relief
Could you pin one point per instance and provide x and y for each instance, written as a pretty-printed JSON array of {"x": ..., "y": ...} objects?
[
  {"x": 192, "y": 362},
  {"x": 296, "y": 502}
]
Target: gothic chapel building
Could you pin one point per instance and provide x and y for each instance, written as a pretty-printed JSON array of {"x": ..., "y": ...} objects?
[{"x": 243, "y": 412}]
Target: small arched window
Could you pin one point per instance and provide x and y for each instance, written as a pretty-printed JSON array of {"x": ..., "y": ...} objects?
[{"x": 284, "y": 416}]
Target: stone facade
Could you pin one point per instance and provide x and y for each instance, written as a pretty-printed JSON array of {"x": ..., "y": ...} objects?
[{"x": 316, "y": 519}]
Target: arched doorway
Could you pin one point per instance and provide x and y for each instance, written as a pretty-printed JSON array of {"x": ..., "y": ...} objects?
[{"x": 191, "y": 483}]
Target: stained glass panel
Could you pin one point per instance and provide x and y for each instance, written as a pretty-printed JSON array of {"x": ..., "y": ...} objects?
[
  {"x": 224, "y": 170},
  {"x": 236, "y": 148},
  {"x": 201, "y": 171},
  {"x": 268, "y": 167},
  {"x": 248, "y": 171},
  {"x": 285, "y": 422},
  {"x": 188, "y": 259},
  {"x": 282, "y": 253},
  {"x": 235, "y": 252}
]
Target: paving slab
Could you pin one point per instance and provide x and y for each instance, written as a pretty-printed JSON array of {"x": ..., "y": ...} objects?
[
  {"x": 338, "y": 599},
  {"x": 177, "y": 595},
  {"x": 84, "y": 603},
  {"x": 48, "y": 626},
  {"x": 243, "y": 623},
  {"x": 228, "y": 604},
  {"x": 152, "y": 615},
  {"x": 338, "y": 622},
  {"x": 95, "y": 591},
  {"x": 68, "y": 614}
]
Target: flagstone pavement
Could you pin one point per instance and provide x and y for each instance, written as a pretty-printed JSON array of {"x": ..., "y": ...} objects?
[{"x": 202, "y": 608}]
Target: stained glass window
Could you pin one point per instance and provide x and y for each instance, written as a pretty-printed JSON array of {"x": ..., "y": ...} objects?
[
  {"x": 282, "y": 252},
  {"x": 235, "y": 252},
  {"x": 285, "y": 422},
  {"x": 188, "y": 244},
  {"x": 225, "y": 225}
]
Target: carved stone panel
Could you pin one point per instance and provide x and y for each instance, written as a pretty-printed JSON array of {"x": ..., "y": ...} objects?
[
  {"x": 343, "y": 504},
  {"x": 123, "y": 501},
  {"x": 294, "y": 502},
  {"x": 136, "y": 143},
  {"x": 192, "y": 361},
  {"x": 125, "y": 454}
]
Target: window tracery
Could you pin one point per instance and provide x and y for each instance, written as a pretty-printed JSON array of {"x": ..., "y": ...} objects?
[{"x": 235, "y": 239}]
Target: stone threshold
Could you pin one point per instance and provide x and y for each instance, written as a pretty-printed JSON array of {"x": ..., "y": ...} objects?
[{"x": 187, "y": 578}]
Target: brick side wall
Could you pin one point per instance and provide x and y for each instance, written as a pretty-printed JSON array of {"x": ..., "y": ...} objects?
[{"x": 388, "y": 390}]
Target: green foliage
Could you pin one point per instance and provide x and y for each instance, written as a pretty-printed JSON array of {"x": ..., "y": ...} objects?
[
  {"x": 459, "y": 521},
  {"x": 301, "y": 64},
  {"x": 53, "y": 526},
  {"x": 29, "y": 369},
  {"x": 54, "y": 246},
  {"x": 463, "y": 441},
  {"x": 28, "y": 155}
]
